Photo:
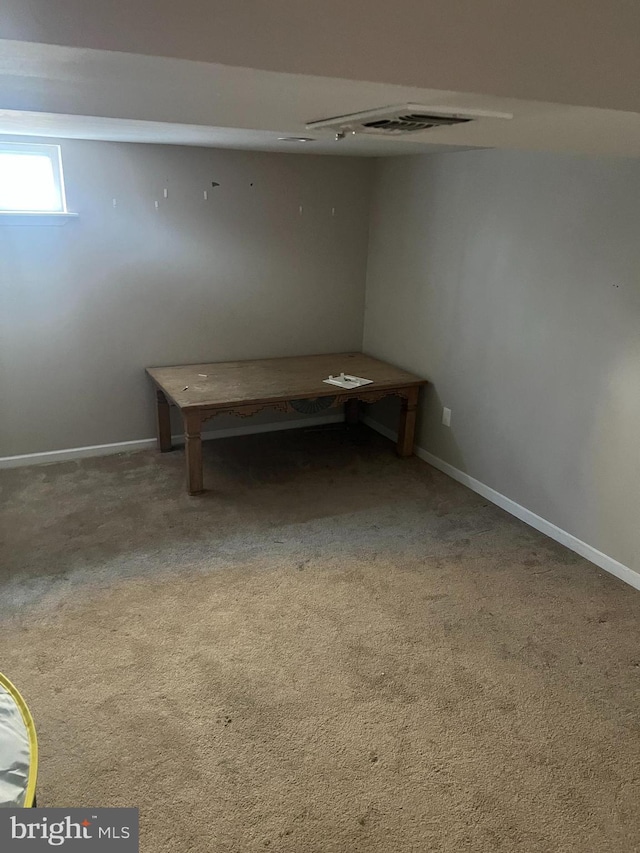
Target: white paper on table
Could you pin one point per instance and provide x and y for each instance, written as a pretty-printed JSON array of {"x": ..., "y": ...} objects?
[{"x": 345, "y": 380}]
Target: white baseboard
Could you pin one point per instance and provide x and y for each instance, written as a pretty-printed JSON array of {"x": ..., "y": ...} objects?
[
  {"x": 603, "y": 561},
  {"x": 143, "y": 443},
  {"x": 71, "y": 453}
]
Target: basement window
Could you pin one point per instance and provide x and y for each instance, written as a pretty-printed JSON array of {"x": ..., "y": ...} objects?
[{"x": 31, "y": 181}]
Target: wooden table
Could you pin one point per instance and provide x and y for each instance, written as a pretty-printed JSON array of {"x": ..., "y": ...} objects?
[{"x": 243, "y": 388}]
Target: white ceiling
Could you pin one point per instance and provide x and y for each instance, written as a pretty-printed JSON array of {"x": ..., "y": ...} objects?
[
  {"x": 69, "y": 92},
  {"x": 581, "y": 52},
  {"x": 15, "y": 123}
]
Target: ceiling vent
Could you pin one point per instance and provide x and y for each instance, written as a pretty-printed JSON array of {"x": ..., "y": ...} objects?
[{"x": 398, "y": 121}]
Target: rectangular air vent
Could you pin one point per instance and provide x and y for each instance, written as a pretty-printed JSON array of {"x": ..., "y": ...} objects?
[{"x": 396, "y": 121}]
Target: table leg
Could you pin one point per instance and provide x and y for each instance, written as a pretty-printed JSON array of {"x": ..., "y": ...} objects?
[
  {"x": 163, "y": 422},
  {"x": 193, "y": 452},
  {"x": 351, "y": 412},
  {"x": 407, "y": 426}
]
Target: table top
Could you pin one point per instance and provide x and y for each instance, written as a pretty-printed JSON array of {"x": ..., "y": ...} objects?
[{"x": 217, "y": 385}]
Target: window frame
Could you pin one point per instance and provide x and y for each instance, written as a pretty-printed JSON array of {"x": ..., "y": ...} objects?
[{"x": 54, "y": 154}]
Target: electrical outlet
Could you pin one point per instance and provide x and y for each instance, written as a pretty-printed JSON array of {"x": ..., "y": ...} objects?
[{"x": 446, "y": 417}]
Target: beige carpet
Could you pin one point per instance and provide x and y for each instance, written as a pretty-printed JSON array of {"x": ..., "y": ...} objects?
[{"x": 334, "y": 650}]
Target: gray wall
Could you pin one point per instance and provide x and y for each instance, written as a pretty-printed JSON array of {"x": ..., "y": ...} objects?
[
  {"x": 86, "y": 306},
  {"x": 512, "y": 281}
]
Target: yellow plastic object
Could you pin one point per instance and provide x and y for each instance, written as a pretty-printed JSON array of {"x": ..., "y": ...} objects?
[{"x": 33, "y": 740}]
